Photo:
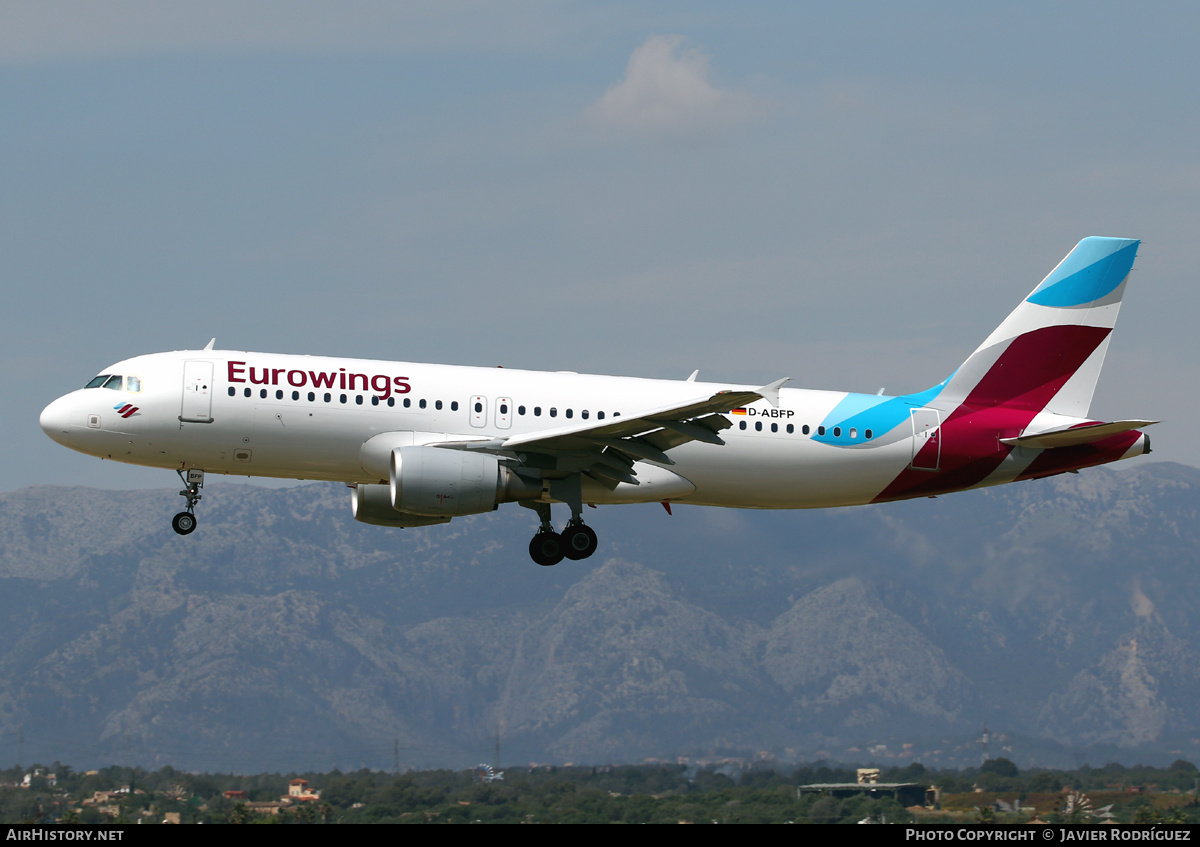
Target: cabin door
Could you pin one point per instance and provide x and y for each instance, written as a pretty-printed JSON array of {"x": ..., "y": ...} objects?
[{"x": 197, "y": 392}]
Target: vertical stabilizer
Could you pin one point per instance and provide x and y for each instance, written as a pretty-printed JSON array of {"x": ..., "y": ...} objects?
[{"x": 1047, "y": 354}]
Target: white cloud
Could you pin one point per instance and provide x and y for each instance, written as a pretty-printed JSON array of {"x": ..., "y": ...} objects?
[
  {"x": 1143, "y": 606},
  {"x": 666, "y": 92}
]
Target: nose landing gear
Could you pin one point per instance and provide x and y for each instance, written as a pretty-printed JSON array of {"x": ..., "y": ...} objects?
[{"x": 193, "y": 480}]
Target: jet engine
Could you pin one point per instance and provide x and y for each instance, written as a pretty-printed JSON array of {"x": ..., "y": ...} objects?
[
  {"x": 373, "y": 504},
  {"x": 439, "y": 482}
]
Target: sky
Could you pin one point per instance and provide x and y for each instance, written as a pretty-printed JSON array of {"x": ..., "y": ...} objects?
[{"x": 851, "y": 195}]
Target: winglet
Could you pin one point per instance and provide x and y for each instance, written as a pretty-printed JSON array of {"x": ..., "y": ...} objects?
[
  {"x": 695, "y": 374},
  {"x": 770, "y": 391},
  {"x": 210, "y": 344}
]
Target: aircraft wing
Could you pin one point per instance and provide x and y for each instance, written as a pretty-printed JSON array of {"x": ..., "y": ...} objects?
[{"x": 607, "y": 450}]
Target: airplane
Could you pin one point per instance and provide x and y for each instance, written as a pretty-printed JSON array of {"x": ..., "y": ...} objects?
[{"x": 420, "y": 444}]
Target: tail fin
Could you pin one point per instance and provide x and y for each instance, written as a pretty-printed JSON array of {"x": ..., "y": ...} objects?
[{"x": 1047, "y": 354}]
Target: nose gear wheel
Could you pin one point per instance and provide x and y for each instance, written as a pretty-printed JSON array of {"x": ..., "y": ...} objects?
[{"x": 183, "y": 523}]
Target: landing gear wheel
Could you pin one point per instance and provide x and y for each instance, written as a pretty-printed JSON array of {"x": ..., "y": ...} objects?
[
  {"x": 546, "y": 549},
  {"x": 183, "y": 523},
  {"x": 579, "y": 541},
  {"x": 193, "y": 481}
]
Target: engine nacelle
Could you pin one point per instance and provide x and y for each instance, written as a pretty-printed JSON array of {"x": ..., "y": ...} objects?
[
  {"x": 373, "y": 504},
  {"x": 437, "y": 482}
]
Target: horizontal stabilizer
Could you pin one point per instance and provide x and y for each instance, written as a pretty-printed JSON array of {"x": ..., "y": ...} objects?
[{"x": 1087, "y": 433}]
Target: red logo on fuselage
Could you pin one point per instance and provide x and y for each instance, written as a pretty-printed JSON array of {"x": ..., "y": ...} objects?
[{"x": 382, "y": 385}]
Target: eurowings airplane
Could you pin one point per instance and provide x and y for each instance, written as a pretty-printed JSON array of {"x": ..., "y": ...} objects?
[{"x": 421, "y": 444}]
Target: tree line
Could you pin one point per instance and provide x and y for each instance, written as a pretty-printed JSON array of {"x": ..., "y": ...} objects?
[{"x": 658, "y": 793}]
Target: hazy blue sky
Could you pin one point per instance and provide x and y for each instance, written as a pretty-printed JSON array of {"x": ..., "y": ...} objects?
[{"x": 850, "y": 194}]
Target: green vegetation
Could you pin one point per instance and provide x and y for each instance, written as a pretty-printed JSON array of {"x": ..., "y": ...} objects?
[{"x": 614, "y": 794}]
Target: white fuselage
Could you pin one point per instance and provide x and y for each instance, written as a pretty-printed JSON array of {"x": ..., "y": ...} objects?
[
  {"x": 263, "y": 423},
  {"x": 308, "y": 417}
]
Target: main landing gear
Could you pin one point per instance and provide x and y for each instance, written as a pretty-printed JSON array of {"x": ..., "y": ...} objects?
[
  {"x": 193, "y": 480},
  {"x": 577, "y": 541}
]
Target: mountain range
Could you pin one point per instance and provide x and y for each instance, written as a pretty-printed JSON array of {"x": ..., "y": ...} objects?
[{"x": 283, "y": 635}]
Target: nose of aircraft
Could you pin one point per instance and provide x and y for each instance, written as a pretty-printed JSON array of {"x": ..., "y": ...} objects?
[{"x": 56, "y": 421}]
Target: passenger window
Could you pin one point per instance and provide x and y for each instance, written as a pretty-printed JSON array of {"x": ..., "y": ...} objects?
[
  {"x": 407, "y": 401},
  {"x": 853, "y": 432},
  {"x": 570, "y": 413},
  {"x": 804, "y": 430},
  {"x": 791, "y": 429},
  {"x": 758, "y": 426},
  {"x": 358, "y": 399},
  {"x": 774, "y": 427},
  {"x": 421, "y": 403},
  {"x": 520, "y": 410},
  {"x": 454, "y": 405},
  {"x": 311, "y": 397},
  {"x": 820, "y": 430},
  {"x": 392, "y": 401},
  {"x": 741, "y": 424},
  {"x": 553, "y": 412},
  {"x": 437, "y": 404},
  {"x": 837, "y": 432},
  {"x": 278, "y": 395},
  {"x": 247, "y": 392},
  {"x": 295, "y": 395},
  {"x": 584, "y": 414},
  {"x": 537, "y": 411},
  {"x": 232, "y": 391},
  {"x": 262, "y": 393},
  {"x": 478, "y": 408},
  {"x": 867, "y": 435},
  {"x": 599, "y": 416},
  {"x": 328, "y": 397}
]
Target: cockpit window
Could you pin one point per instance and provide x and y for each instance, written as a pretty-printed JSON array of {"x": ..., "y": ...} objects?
[{"x": 114, "y": 381}]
